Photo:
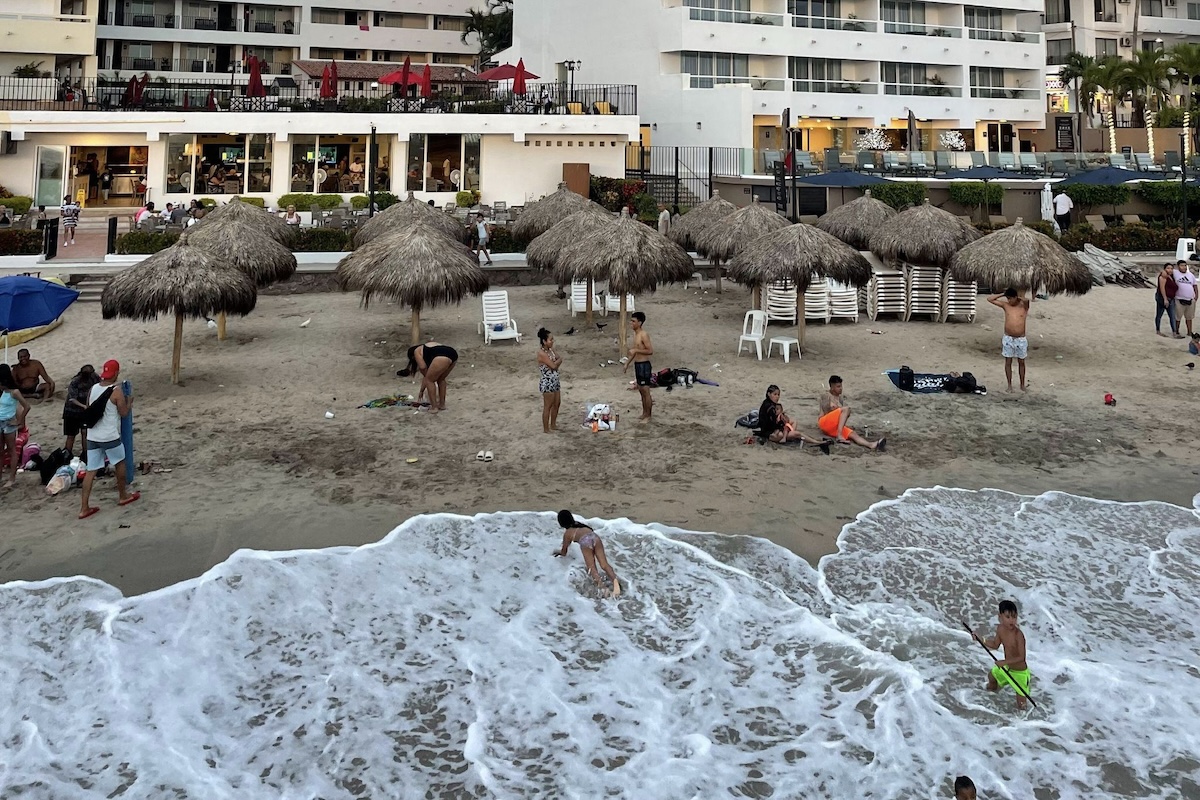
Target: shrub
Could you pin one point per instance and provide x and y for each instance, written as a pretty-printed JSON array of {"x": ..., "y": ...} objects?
[
  {"x": 385, "y": 200},
  {"x": 359, "y": 202},
  {"x": 502, "y": 241},
  {"x": 1166, "y": 195},
  {"x": 645, "y": 207},
  {"x": 144, "y": 243},
  {"x": 1122, "y": 237},
  {"x": 17, "y": 204},
  {"x": 16, "y": 242},
  {"x": 253, "y": 201},
  {"x": 207, "y": 202},
  {"x": 899, "y": 194},
  {"x": 613, "y": 193},
  {"x": 303, "y": 200},
  {"x": 320, "y": 240},
  {"x": 971, "y": 194},
  {"x": 464, "y": 199},
  {"x": 1083, "y": 194}
]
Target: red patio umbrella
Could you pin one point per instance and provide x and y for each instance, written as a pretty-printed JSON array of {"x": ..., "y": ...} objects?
[
  {"x": 130, "y": 92},
  {"x": 187, "y": 103},
  {"x": 426, "y": 82},
  {"x": 402, "y": 76},
  {"x": 519, "y": 79},
  {"x": 506, "y": 72},
  {"x": 211, "y": 103},
  {"x": 333, "y": 77},
  {"x": 255, "y": 87},
  {"x": 326, "y": 84},
  {"x": 139, "y": 88}
]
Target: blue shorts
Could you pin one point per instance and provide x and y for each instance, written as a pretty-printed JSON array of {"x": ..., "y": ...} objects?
[
  {"x": 97, "y": 452},
  {"x": 8, "y": 429}
]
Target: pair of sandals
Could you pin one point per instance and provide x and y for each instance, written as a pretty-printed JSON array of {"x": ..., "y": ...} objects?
[{"x": 486, "y": 456}]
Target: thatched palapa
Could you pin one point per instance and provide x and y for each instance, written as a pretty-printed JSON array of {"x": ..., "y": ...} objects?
[
  {"x": 632, "y": 257},
  {"x": 1021, "y": 258},
  {"x": 249, "y": 219},
  {"x": 856, "y": 221},
  {"x": 182, "y": 280},
  {"x": 262, "y": 258},
  {"x": 539, "y": 217},
  {"x": 688, "y": 228},
  {"x": 416, "y": 266},
  {"x": 923, "y": 234},
  {"x": 544, "y": 251},
  {"x": 399, "y": 216},
  {"x": 794, "y": 254},
  {"x": 725, "y": 237}
]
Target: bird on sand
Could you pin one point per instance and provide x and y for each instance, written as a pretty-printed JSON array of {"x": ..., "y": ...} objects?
[{"x": 570, "y": 332}]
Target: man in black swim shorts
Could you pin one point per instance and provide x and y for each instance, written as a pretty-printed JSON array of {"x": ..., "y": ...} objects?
[{"x": 639, "y": 356}]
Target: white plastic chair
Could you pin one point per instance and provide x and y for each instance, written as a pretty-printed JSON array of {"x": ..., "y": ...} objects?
[
  {"x": 816, "y": 301},
  {"x": 612, "y": 302},
  {"x": 577, "y": 300},
  {"x": 497, "y": 324},
  {"x": 754, "y": 330}
]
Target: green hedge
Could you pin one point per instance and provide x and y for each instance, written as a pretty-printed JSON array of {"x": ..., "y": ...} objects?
[
  {"x": 899, "y": 195},
  {"x": 1089, "y": 196},
  {"x": 144, "y": 243},
  {"x": 302, "y": 201},
  {"x": 320, "y": 240},
  {"x": 18, "y": 242},
  {"x": 972, "y": 194},
  {"x": 464, "y": 199},
  {"x": 503, "y": 242},
  {"x": 645, "y": 206},
  {"x": 1122, "y": 237},
  {"x": 17, "y": 204},
  {"x": 252, "y": 201},
  {"x": 207, "y": 202}
]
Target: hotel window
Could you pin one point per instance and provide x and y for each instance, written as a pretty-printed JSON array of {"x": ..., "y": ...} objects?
[
  {"x": 815, "y": 75},
  {"x": 1057, "y": 50},
  {"x": 1106, "y": 48},
  {"x": 1058, "y": 11},
  {"x": 1152, "y": 8},
  {"x": 710, "y": 69},
  {"x": 435, "y": 162},
  {"x": 327, "y": 16},
  {"x": 719, "y": 10},
  {"x": 142, "y": 8},
  {"x": 815, "y": 13},
  {"x": 902, "y": 17},
  {"x": 987, "y": 82},
  {"x": 984, "y": 23},
  {"x": 911, "y": 79},
  {"x": 1193, "y": 10},
  {"x": 1106, "y": 11}
]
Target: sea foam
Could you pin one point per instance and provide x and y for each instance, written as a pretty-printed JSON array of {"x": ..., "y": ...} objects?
[{"x": 458, "y": 658}]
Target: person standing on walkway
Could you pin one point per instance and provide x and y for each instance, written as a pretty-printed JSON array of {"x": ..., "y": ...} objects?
[
  {"x": 664, "y": 219},
  {"x": 1164, "y": 302},
  {"x": 104, "y": 439},
  {"x": 482, "y": 234},
  {"x": 69, "y": 217},
  {"x": 1062, "y": 210},
  {"x": 1185, "y": 294}
]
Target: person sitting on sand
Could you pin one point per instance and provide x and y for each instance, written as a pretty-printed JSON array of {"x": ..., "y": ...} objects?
[
  {"x": 591, "y": 547},
  {"x": 31, "y": 376},
  {"x": 773, "y": 424},
  {"x": 1014, "y": 344},
  {"x": 13, "y": 408},
  {"x": 835, "y": 412},
  {"x": 435, "y": 362}
]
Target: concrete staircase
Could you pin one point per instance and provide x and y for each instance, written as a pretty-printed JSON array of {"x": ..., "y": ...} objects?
[{"x": 90, "y": 287}]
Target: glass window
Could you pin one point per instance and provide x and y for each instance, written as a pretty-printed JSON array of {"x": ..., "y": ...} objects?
[
  {"x": 987, "y": 82},
  {"x": 720, "y": 10},
  {"x": 815, "y": 74},
  {"x": 471, "y": 152},
  {"x": 1152, "y": 8},
  {"x": 1057, "y": 50},
  {"x": 180, "y": 163},
  {"x": 902, "y": 17},
  {"x": 304, "y": 164},
  {"x": 815, "y": 13},
  {"x": 984, "y": 23},
  {"x": 327, "y": 16},
  {"x": 443, "y": 161},
  {"x": 417, "y": 163},
  {"x": 1106, "y": 48},
  {"x": 709, "y": 69},
  {"x": 1193, "y": 10},
  {"x": 257, "y": 172},
  {"x": 1106, "y": 11}
]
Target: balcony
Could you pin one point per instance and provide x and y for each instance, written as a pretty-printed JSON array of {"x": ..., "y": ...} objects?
[
  {"x": 922, "y": 89},
  {"x": 915, "y": 29},
  {"x": 1004, "y": 93},
  {"x": 835, "y": 87},
  {"x": 192, "y": 65},
  {"x": 209, "y": 24},
  {"x": 142, "y": 20},
  {"x": 711, "y": 81},
  {"x": 1111, "y": 17},
  {"x": 48, "y": 34},
  {"x": 996, "y": 35},
  {"x": 738, "y": 17},
  {"x": 835, "y": 23}
]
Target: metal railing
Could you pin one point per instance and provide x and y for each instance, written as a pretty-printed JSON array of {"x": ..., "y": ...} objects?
[
  {"x": 100, "y": 94},
  {"x": 739, "y": 17},
  {"x": 194, "y": 66},
  {"x": 209, "y": 24},
  {"x": 834, "y": 23},
  {"x": 922, "y": 89},
  {"x": 710, "y": 81},
  {"x": 919, "y": 29},
  {"x": 141, "y": 20},
  {"x": 1004, "y": 93},
  {"x": 998, "y": 35},
  {"x": 47, "y": 17},
  {"x": 835, "y": 87}
]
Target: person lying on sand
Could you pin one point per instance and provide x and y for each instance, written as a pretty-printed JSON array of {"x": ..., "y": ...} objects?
[
  {"x": 591, "y": 546},
  {"x": 834, "y": 413}
]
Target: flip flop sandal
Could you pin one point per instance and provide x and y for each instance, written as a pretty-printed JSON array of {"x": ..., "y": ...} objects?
[
  {"x": 89, "y": 512},
  {"x": 130, "y": 499},
  {"x": 479, "y": 456},
  {"x": 882, "y": 446},
  {"x": 488, "y": 457}
]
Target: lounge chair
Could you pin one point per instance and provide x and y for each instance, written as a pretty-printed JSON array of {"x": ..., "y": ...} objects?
[
  {"x": 577, "y": 300},
  {"x": 1144, "y": 163},
  {"x": 1096, "y": 221},
  {"x": 997, "y": 219},
  {"x": 1007, "y": 161},
  {"x": 1029, "y": 164},
  {"x": 918, "y": 165},
  {"x": 781, "y": 303},
  {"x": 1118, "y": 160},
  {"x": 497, "y": 324},
  {"x": 612, "y": 302},
  {"x": 1131, "y": 219}
]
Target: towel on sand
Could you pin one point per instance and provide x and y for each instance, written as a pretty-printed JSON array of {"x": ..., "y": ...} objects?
[
  {"x": 394, "y": 400},
  {"x": 928, "y": 382}
]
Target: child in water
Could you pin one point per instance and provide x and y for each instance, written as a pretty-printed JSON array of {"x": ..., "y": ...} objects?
[
  {"x": 1012, "y": 639},
  {"x": 964, "y": 788},
  {"x": 592, "y": 547}
]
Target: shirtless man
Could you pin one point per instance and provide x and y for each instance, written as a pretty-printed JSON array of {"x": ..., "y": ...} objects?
[
  {"x": 834, "y": 413},
  {"x": 31, "y": 377},
  {"x": 639, "y": 356},
  {"x": 1014, "y": 344},
  {"x": 1012, "y": 670}
]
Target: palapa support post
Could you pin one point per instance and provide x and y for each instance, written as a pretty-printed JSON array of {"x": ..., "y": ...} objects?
[
  {"x": 416, "y": 326},
  {"x": 621, "y": 325},
  {"x": 801, "y": 322},
  {"x": 717, "y": 273},
  {"x": 221, "y": 327},
  {"x": 178, "y": 348},
  {"x": 589, "y": 302},
  {"x": 756, "y": 299}
]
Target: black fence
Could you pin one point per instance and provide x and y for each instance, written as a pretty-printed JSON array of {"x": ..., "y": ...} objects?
[
  {"x": 682, "y": 176},
  {"x": 449, "y": 97},
  {"x": 50, "y": 238}
]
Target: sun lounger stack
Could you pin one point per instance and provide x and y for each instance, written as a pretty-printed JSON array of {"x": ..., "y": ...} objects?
[
  {"x": 958, "y": 299},
  {"x": 781, "y": 303},
  {"x": 843, "y": 301},
  {"x": 816, "y": 300},
  {"x": 924, "y": 291},
  {"x": 886, "y": 293}
]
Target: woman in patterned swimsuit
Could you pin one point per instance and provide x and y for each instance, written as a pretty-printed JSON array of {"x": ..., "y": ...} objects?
[
  {"x": 590, "y": 545},
  {"x": 548, "y": 384}
]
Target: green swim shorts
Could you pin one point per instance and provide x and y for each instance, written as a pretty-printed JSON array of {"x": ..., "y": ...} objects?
[{"x": 1021, "y": 676}]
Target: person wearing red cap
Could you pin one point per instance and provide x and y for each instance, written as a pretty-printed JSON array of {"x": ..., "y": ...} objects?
[{"x": 104, "y": 438}]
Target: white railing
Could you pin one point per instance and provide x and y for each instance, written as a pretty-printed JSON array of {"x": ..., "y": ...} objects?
[
  {"x": 49, "y": 17},
  {"x": 921, "y": 29},
  {"x": 922, "y": 89},
  {"x": 834, "y": 23},
  {"x": 711, "y": 81},
  {"x": 998, "y": 35},
  {"x": 834, "y": 87}
]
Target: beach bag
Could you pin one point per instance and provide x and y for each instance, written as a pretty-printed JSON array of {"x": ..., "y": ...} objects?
[
  {"x": 906, "y": 380},
  {"x": 51, "y": 463},
  {"x": 91, "y": 417},
  {"x": 685, "y": 377},
  {"x": 664, "y": 377}
]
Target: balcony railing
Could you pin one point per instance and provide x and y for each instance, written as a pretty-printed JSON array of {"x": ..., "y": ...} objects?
[
  {"x": 834, "y": 87},
  {"x": 1004, "y": 93},
  {"x": 471, "y": 97},
  {"x": 1108, "y": 16},
  {"x": 209, "y": 24},
  {"x": 142, "y": 20},
  {"x": 917, "y": 29},
  {"x": 834, "y": 23},
  {"x": 922, "y": 89},
  {"x": 740, "y": 17},
  {"x": 995, "y": 35},
  {"x": 710, "y": 81},
  {"x": 160, "y": 64},
  {"x": 46, "y": 17}
]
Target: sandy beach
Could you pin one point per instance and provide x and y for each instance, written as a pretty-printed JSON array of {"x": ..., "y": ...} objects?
[{"x": 255, "y": 463}]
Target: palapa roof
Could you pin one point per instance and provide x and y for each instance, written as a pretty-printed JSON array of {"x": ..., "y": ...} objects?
[
  {"x": 724, "y": 237},
  {"x": 539, "y": 217},
  {"x": 245, "y": 243},
  {"x": 794, "y": 254},
  {"x": 855, "y": 221},
  {"x": 923, "y": 234},
  {"x": 417, "y": 266},
  {"x": 688, "y": 227},
  {"x": 399, "y": 216},
  {"x": 544, "y": 251},
  {"x": 183, "y": 280},
  {"x": 1021, "y": 258},
  {"x": 250, "y": 218},
  {"x": 633, "y": 258}
]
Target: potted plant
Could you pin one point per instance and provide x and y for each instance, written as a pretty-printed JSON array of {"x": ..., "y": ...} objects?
[
  {"x": 939, "y": 32},
  {"x": 853, "y": 24}
]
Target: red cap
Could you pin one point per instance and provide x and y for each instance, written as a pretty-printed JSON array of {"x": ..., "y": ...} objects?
[{"x": 109, "y": 370}]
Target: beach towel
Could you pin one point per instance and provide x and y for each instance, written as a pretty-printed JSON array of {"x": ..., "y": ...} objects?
[
  {"x": 927, "y": 382},
  {"x": 394, "y": 400}
]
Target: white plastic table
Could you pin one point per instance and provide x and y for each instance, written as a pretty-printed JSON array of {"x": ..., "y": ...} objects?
[{"x": 785, "y": 343}]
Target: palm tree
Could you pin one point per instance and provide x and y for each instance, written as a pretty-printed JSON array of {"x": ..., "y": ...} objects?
[
  {"x": 492, "y": 25},
  {"x": 1075, "y": 69},
  {"x": 1185, "y": 64},
  {"x": 1110, "y": 74},
  {"x": 1149, "y": 80}
]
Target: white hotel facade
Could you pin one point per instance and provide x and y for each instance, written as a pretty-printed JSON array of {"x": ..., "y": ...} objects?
[{"x": 720, "y": 72}]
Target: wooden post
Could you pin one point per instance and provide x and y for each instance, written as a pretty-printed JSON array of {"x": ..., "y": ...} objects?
[
  {"x": 756, "y": 300},
  {"x": 621, "y": 325},
  {"x": 221, "y": 327},
  {"x": 416, "y": 325},
  {"x": 589, "y": 302},
  {"x": 717, "y": 273},
  {"x": 177, "y": 348},
  {"x": 800, "y": 321}
]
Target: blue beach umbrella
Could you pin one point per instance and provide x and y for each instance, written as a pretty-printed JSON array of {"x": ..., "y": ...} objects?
[
  {"x": 843, "y": 179},
  {"x": 27, "y": 302},
  {"x": 1111, "y": 176},
  {"x": 984, "y": 173}
]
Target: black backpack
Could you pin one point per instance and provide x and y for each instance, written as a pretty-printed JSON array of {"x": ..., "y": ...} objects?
[
  {"x": 907, "y": 380},
  {"x": 95, "y": 411}
]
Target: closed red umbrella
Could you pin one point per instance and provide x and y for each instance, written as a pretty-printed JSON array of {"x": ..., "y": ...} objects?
[
  {"x": 139, "y": 88},
  {"x": 187, "y": 103},
  {"x": 519, "y": 78},
  {"x": 255, "y": 87},
  {"x": 333, "y": 77},
  {"x": 426, "y": 82},
  {"x": 326, "y": 84},
  {"x": 211, "y": 103},
  {"x": 130, "y": 92}
]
